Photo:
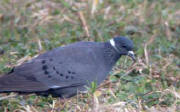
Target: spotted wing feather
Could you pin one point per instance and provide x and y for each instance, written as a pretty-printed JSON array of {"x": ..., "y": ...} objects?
[{"x": 74, "y": 65}]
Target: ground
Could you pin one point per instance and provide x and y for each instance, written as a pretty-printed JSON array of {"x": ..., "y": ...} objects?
[{"x": 152, "y": 84}]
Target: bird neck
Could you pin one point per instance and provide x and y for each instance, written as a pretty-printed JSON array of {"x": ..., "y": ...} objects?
[{"x": 111, "y": 55}]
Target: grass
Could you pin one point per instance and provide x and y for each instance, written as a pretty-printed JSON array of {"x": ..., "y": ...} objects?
[{"x": 152, "y": 84}]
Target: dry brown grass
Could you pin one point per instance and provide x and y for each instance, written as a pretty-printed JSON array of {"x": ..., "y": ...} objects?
[{"x": 28, "y": 28}]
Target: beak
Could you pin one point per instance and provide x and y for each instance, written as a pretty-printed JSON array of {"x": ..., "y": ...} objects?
[{"x": 131, "y": 54}]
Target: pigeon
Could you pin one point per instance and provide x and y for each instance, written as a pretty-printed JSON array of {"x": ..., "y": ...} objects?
[{"x": 65, "y": 71}]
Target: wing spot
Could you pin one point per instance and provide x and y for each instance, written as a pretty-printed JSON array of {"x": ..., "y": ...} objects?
[
  {"x": 61, "y": 74},
  {"x": 54, "y": 68},
  {"x": 57, "y": 72},
  {"x": 49, "y": 76},
  {"x": 69, "y": 72},
  {"x": 44, "y": 67},
  {"x": 43, "y": 61},
  {"x": 72, "y": 77},
  {"x": 46, "y": 72},
  {"x": 67, "y": 77}
]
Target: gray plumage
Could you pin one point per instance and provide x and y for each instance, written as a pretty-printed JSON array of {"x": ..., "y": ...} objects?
[{"x": 64, "y": 70}]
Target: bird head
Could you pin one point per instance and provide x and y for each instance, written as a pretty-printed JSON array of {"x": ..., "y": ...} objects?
[{"x": 123, "y": 46}]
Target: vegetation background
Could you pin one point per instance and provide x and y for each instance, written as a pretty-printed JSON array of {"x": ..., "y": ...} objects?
[{"x": 152, "y": 84}]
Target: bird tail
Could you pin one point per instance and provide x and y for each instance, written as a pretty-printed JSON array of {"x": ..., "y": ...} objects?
[
  {"x": 16, "y": 83},
  {"x": 4, "y": 87}
]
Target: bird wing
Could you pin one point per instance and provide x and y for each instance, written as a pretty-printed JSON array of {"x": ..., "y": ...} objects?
[
  {"x": 61, "y": 67},
  {"x": 68, "y": 66}
]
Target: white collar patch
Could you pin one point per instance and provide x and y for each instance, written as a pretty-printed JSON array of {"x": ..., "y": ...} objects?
[{"x": 112, "y": 43}]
